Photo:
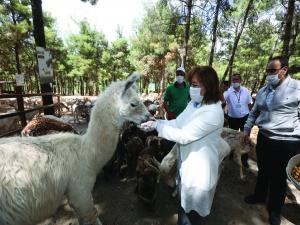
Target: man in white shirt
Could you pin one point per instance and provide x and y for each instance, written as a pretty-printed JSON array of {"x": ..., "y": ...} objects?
[{"x": 238, "y": 100}]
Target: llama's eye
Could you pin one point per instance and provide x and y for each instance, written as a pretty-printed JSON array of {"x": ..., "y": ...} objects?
[{"x": 133, "y": 105}]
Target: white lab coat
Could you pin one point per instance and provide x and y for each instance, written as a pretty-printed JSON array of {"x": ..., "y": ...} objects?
[{"x": 197, "y": 132}]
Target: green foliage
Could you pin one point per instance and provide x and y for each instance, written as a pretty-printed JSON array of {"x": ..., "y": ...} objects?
[
  {"x": 15, "y": 31},
  {"x": 86, "y": 60},
  {"x": 85, "y": 51},
  {"x": 117, "y": 60},
  {"x": 254, "y": 50}
]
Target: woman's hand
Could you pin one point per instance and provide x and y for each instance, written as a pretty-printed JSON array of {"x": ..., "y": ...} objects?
[{"x": 149, "y": 125}]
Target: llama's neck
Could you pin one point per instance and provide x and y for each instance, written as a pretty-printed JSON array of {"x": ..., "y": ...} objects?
[{"x": 101, "y": 138}]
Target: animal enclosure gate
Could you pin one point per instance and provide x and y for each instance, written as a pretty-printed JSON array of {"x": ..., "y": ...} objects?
[{"x": 21, "y": 112}]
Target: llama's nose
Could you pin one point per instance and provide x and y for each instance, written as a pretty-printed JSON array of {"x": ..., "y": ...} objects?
[{"x": 147, "y": 117}]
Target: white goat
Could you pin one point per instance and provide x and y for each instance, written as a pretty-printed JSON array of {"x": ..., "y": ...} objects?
[
  {"x": 168, "y": 165},
  {"x": 233, "y": 138},
  {"x": 36, "y": 172}
]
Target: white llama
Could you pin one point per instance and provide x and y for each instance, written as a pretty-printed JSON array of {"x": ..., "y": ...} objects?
[{"x": 37, "y": 172}]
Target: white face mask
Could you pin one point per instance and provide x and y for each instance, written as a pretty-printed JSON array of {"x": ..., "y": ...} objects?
[
  {"x": 273, "y": 79},
  {"x": 179, "y": 79},
  {"x": 236, "y": 85},
  {"x": 195, "y": 94}
]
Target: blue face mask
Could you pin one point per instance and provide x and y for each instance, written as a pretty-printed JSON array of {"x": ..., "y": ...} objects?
[
  {"x": 180, "y": 79},
  {"x": 195, "y": 94},
  {"x": 273, "y": 79},
  {"x": 236, "y": 85}
]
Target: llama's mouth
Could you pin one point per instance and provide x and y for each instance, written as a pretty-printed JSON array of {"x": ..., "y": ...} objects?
[
  {"x": 136, "y": 122},
  {"x": 139, "y": 121},
  {"x": 146, "y": 118}
]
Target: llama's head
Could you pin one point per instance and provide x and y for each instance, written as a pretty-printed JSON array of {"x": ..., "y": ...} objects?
[{"x": 131, "y": 108}]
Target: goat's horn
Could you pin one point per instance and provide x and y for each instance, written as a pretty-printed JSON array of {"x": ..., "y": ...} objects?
[
  {"x": 150, "y": 166},
  {"x": 156, "y": 162}
]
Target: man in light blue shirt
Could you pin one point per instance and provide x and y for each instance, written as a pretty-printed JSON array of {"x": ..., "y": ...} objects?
[
  {"x": 238, "y": 100},
  {"x": 277, "y": 114}
]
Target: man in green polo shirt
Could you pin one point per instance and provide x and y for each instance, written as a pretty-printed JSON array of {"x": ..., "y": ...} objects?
[{"x": 176, "y": 96}]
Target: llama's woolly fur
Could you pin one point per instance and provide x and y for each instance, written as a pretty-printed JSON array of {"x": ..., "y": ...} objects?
[{"x": 36, "y": 172}]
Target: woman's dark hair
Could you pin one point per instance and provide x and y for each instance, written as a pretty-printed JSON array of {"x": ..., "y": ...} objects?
[{"x": 209, "y": 78}]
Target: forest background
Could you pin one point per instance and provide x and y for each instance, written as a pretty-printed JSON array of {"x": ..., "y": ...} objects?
[{"x": 232, "y": 36}]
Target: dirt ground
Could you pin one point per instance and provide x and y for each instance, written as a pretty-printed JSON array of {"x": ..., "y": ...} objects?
[{"x": 119, "y": 205}]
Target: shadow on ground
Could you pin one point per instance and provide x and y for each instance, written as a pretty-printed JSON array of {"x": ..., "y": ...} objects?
[{"x": 118, "y": 204}]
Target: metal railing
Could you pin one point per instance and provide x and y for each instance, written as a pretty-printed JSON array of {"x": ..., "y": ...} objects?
[{"x": 22, "y": 112}]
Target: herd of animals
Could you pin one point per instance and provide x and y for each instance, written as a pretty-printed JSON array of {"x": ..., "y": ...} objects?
[
  {"x": 68, "y": 163},
  {"x": 79, "y": 108}
]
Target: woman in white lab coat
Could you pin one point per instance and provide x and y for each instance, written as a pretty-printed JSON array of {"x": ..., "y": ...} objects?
[{"x": 197, "y": 132}]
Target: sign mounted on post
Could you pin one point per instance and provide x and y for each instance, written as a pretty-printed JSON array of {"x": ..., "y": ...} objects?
[
  {"x": 19, "y": 79},
  {"x": 45, "y": 65}
]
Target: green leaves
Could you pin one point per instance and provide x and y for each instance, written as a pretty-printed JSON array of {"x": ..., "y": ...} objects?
[{"x": 154, "y": 50}]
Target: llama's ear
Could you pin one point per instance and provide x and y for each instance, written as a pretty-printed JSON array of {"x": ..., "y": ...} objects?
[{"x": 131, "y": 81}]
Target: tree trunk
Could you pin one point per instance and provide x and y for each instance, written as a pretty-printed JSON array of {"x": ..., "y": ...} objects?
[
  {"x": 288, "y": 28},
  {"x": 39, "y": 37},
  {"x": 73, "y": 85},
  {"x": 254, "y": 85},
  {"x": 54, "y": 87},
  {"x": 30, "y": 85},
  {"x": 81, "y": 86},
  {"x": 62, "y": 86},
  {"x": 236, "y": 41},
  {"x": 294, "y": 36},
  {"x": 19, "y": 89},
  {"x": 97, "y": 88},
  {"x": 37, "y": 82},
  {"x": 58, "y": 86},
  {"x": 86, "y": 86},
  {"x": 90, "y": 87},
  {"x": 70, "y": 86},
  {"x": 214, "y": 33},
  {"x": 187, "y": 31},
  {"x": 78, "y": 86},
  {"x": 17, "y": 54},
  {"x": 17, "y": 44}
]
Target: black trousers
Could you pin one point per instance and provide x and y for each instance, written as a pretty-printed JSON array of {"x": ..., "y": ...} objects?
[
  {"x": 237, "y": 123},
  {"x": 272, "y": 158},
  {"x": 193, "y": 217}
]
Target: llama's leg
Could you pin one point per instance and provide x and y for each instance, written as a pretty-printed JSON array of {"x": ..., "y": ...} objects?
[{"x": 82, "y": 202}]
